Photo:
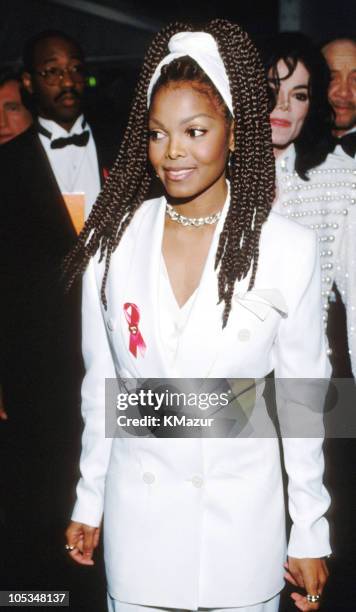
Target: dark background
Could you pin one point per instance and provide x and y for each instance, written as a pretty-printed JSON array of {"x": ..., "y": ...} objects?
[
  {"x": 115, "y": 33},
  {"x": 104, "y": 29}
]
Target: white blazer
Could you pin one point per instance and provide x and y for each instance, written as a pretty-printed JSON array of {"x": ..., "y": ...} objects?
[{"x": 192, "y": 522}]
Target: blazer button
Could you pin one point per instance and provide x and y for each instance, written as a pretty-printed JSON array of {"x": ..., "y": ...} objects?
[
  {"x": 111, "y": 324},
  {"x": 244, "y": 335},
  {"x": 197, "y": 482},
  {"x": 148, "y": 478}
]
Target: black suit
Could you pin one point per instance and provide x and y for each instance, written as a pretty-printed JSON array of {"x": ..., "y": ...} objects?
[{"x": 40, "y": 361}]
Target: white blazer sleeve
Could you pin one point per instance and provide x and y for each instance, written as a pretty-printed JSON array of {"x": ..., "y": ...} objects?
[
  {"x": 96, "y": 448},
  {"x": 301, "y": 354}
]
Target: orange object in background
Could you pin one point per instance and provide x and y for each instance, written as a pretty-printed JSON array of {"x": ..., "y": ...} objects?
[{"x": 75, "y": 203}]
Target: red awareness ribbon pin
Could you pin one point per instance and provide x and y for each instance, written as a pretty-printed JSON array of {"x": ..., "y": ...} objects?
[{"x": 132, "y": 315}]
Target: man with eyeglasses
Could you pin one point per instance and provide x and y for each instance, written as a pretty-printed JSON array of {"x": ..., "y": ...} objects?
[
  {"x": 49, "y": 173},
  {"x": 55, "y": 78}
]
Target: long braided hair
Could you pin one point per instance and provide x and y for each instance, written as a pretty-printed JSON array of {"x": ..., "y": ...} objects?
[{"x": 251, "y": 174}]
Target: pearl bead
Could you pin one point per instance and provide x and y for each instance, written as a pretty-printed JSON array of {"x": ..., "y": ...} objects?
[{"x": 322, "y": 203}]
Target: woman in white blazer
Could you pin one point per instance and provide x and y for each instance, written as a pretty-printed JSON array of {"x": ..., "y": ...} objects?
[{"x": 199, "y": 283}]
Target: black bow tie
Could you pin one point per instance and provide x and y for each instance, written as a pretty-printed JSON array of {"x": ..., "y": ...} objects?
[
  {"x": 348, "y": 143},
  {"x": 79, "y": 140}
]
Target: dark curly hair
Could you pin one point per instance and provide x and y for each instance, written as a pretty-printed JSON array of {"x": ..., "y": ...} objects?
[
  {"x": 252, "y": 174},
  {"x": 315, "y": 139}
]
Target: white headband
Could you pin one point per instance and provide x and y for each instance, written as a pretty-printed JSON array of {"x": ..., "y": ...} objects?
[{"x": 202, "y": 47}]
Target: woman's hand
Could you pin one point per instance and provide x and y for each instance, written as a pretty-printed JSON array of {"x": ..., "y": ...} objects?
[
  {"x": 85, "y": 539},
  {"x": 309, "y": 574}
]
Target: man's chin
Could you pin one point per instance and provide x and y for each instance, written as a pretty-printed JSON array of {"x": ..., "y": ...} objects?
[
  {"x": 345, "y": 124},
  {"x": 68, "y": 115}
]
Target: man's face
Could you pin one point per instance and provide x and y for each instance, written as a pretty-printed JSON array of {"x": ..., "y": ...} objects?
[
  {"x": 14, "y": 116},
  {"x": 58, "y": 97},
  {"x": 292, "y": 104},
  {"x": 341, "y": 58}
]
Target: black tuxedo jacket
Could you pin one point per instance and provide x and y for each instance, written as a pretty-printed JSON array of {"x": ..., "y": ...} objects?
[
  {"x": 40, "y": 359},
  {"x": 39, "y": 324}
]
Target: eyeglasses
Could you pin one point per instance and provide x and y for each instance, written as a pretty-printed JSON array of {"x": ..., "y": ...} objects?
[{"x": 55, "y": 75}]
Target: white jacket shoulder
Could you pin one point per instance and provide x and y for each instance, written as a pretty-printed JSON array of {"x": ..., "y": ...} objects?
[{"x": 287, "y": 242}]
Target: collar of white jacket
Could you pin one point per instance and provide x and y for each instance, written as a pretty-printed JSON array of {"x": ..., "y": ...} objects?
[{"x": 202, "y": 48}]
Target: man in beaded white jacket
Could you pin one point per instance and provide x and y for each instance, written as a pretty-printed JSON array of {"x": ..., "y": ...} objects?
[
  {"x": 315, "y": 187},
  {"x": 327, "y": 204}
]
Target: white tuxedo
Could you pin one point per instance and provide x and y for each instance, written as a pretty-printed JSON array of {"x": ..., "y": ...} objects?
[{"x": 200, "y": 522}]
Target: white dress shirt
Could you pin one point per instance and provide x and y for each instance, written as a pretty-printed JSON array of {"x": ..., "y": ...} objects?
[
  {"x": 76, "y": 168},
  {"x": 172, "y": 318}
]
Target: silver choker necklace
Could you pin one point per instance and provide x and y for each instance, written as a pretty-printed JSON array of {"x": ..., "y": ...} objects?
[{"x": 191, "y": 221}]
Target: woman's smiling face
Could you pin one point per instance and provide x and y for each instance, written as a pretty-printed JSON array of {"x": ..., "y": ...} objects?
[{"x": 190, "y": 139}]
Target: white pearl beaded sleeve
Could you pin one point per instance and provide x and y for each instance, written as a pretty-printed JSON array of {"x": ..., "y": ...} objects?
[{"x": 327, "y": 204}]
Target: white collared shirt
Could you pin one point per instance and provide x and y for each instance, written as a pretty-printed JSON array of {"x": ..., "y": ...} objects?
[
  {"x": 173, "y": 318},
  {"x": 76, "y": 168}
]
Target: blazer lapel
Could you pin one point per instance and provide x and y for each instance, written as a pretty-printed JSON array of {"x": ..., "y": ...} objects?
[
  {"x": 141, "y": 288},
  {"x": 138, "y": 267}
]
